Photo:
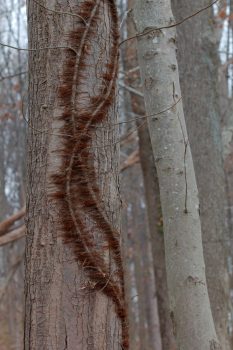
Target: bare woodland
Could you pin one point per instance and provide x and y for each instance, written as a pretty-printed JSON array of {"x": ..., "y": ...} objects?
[{"x": 116, "y": 163}]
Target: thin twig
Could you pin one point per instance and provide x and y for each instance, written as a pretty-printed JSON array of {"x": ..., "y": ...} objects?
[
  {"x": 132, "y": 159},
  {"x": 6, "y": 224},
  {"x": 185, "y": 169},
  {"x": 13, "y": 235},
  {"x": 170, "y": 25},
  {"x": 130, "y": 38},
  {"x": 130, "y": 132},
  {"x": 113, "y": 124},
  {"x": 144, "y": 116},
  {"x": 39, "y": 48},
  {"x": 60, "y": 12},
  {"x": 130, "y": 89},
  {"x": 13, "y": 76}
]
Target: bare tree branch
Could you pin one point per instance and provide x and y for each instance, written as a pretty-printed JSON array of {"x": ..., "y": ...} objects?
[
  {"x": 13, "y": 236},
  {"x": 39, "y": 48},
  {"x": 6, "y": 224},
  {"x": 132, "y": 159},
  {"x": 130, "y": 38},
  {"x": 60, "y": 12},
  {"x": 12, "y": 76},
  {"x": 130, "y": 89},
  {"x": 171, "y": 25}
]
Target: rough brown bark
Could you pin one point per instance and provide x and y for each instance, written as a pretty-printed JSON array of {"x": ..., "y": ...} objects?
[
  {"x": 199, "y": 63},
  {"x": 63, "y": 308}
]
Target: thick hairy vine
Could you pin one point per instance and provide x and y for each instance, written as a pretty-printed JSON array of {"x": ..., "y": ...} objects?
[{"x": 77, "y": 190}]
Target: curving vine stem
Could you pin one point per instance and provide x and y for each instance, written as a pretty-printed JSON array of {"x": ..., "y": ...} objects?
[{"x": 77, "y": 190}]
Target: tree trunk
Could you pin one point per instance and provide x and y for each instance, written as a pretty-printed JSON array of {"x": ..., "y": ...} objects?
[
  {"x": 198, "y": 62},
  {"x": 71, "y": 290},
  {"x": 11, "y": 255},
  {"x": 152, "y": 197},
  {"x": 156, "y": 235},
  {"x": 139, "y": 251},
  {"x": 136, "y": 223},
  {"x": 189, "y": 303}
]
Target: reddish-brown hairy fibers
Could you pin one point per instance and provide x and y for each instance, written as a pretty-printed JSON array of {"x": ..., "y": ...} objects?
[{"x": 77, "y": 191}]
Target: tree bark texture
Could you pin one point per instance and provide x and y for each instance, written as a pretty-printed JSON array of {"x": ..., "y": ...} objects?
[
  {"x": 154, "y": 213},
  {"x": 199, "y": 63},
  {"x": 189, "y": 302},
  {"x": 140, "y": 263},
  {"x": 136, "y": 221},
  {"x": 64, "y": 308},
  {"x": 152, "y": 196}
]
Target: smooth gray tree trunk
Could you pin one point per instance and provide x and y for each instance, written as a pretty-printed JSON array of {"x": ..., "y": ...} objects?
[
  {"x": 189, "y": 302},
  {"x": 136, "y": 221},
  {"x": 154, "y": 214},
  {"x": 198, "y": 61}
]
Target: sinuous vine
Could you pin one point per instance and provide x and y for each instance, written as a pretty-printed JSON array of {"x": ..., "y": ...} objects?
[{"x": 77, "y": 190}]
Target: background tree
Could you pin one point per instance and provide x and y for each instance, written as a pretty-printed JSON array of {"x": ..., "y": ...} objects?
[
  {"x": 145, "y": 323},
  {"x": 12, "y": 136},
  {"x": 179, "y": 197},
  {"x": 199, "y": 62},
  {"x": 147, "y": 177}
]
